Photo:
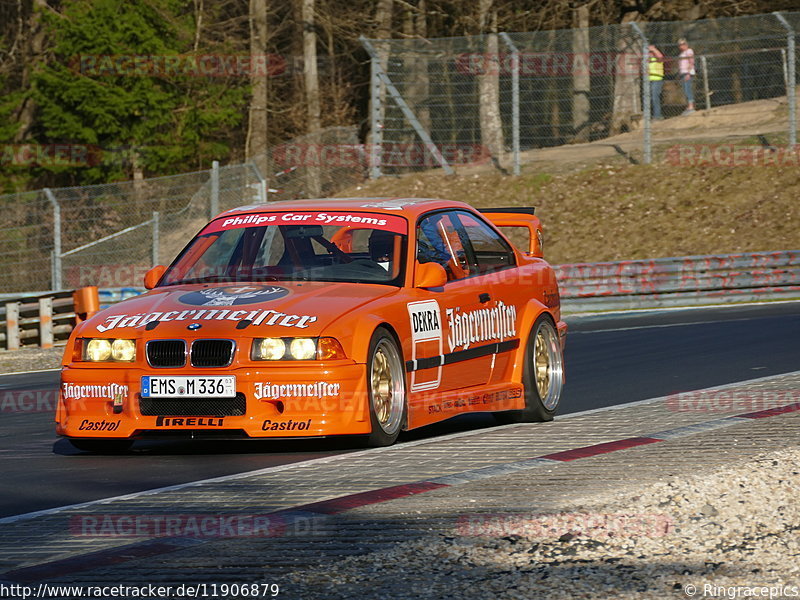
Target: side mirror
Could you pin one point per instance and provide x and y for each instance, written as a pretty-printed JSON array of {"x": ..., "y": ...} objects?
[
  {"x": 429, "y": 275},
  {"x": 87, "y": 302},
  {"x": 153, "y": 275}
]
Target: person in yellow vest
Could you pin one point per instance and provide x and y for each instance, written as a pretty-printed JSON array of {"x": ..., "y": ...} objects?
[{"x": 656, "y": 75}]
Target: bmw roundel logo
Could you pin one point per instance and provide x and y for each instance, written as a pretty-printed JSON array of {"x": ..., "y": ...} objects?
[
  {"x": 193, "y": 326},
  {"x": 234, "y": 295}
]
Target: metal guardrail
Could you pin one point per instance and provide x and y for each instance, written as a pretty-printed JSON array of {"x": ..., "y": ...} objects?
[
  {"x": 43, "y": 319},
  {"x": 629, "y": 284},
  {"x": 679, "y": 281},
  {"x": 36, "y": 319}
]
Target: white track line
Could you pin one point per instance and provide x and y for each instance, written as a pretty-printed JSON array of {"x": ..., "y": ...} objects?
[
  {"x": 665, "y": 325},
  {"x": 30, "y": 372},
  {"x": 643, "y": 311},
  {"x": 653, "y": 400},
  {"x": 329, "y": 459}
]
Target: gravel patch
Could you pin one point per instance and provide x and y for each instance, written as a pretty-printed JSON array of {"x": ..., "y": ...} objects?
[
  {"x": 30, "y": 359},
  {"x": 736, "y": 526}
]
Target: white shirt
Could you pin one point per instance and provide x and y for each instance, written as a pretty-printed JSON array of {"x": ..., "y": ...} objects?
[{"x": 686, "y": 62}]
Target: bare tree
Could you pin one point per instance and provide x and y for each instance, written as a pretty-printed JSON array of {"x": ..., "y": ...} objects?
[
  {"x": 198, "y": 23},
  {"x": 311, "y": 81},
  {"x": 627, "y": 96},
  {"x": 256, "y": 145},
  {"x": 489, "y": 86},
  {"x": 416, "y": 26},
  {"x": 383, "y": 31},
  {"x": 32, "y": 52},
  {"x": 581, "y": 79}
]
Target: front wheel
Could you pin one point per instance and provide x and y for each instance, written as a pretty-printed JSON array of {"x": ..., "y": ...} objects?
[
  {"x": 543, "y": 375},
  {"x": 386, "y": 384}
]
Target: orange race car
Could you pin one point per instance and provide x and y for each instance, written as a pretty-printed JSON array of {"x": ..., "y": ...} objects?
[{"x": 358, "y": 316}]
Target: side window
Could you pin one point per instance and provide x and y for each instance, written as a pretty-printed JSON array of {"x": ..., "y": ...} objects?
[
  {"x": 438, "y": 241},
  {"x": 489, "y": 250}
]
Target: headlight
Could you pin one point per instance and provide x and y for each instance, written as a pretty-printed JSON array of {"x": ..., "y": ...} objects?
[
  {"x": 303, "y": 348},
  {"x": 296, "y": 349},
  {"x": 98, "y": 350},
  {"x": 268, "y": 349},
  {"x": 105, "y": 350},
  {"x": 123, "y": 350}
]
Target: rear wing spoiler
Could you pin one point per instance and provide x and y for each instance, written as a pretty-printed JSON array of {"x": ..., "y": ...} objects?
[{"x": 519, "y": 217}]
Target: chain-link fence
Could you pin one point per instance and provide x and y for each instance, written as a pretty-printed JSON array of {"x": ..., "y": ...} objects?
[
  {"x": 500, "y": 98},
  {"x": 315, "y": 165},
  {"x": 143, "y": 223},
  {"x": 26, "y": 242},
  {"x": 503, "y": 100},
  {"x": 110, "y": 235}
]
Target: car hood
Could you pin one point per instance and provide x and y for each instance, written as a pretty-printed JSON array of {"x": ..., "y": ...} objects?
[{"x": 281, "y": 309}]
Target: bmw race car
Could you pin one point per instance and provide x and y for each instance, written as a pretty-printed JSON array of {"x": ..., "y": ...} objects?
[{"x": 358, "y": 316}]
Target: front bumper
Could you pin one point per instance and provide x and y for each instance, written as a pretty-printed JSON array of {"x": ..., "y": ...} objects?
[{"x": 292, "y": 401}]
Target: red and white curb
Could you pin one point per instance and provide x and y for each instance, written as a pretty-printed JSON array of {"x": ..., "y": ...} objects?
[{"x": 286, "y": 518}]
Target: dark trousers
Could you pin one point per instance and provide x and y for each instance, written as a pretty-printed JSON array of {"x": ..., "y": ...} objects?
[{"x": 656, "y": 85}]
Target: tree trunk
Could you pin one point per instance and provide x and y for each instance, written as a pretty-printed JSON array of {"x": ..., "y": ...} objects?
[
  {"x": 548, "y": 125},
  {"x": 383, "y": 31},
  {"x": 581, "y": 80},
  {"x": 198, "y": 23},
  {"x": 256, "y": 147},
  {"x": 489, "y": 88},
  {"x": 416, "y": 69},
  {"x": 409, "y": 76},
  {"x": 422, "y": 80},
  {"x": 311, "y": 80},
  {"x": 33, "y": 49},
  {"x": 627, "y": 78},
  {"x": 137, "y": 173},
  {"x": 736, "y": 85}
]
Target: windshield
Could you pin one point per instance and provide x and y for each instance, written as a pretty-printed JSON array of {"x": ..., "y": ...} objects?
[{"x": 301, "y": 246}]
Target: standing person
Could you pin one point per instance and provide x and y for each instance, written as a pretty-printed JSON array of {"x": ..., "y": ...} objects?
[
  {"x": 686, "y": 73},
  {"x": 656, "y": 75}
]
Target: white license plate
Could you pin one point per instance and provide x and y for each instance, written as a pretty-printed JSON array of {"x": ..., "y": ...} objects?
[{"x": 198, "y": 386}]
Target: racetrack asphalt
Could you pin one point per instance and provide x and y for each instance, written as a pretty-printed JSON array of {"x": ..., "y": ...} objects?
[{"x": 611, "y": 359}]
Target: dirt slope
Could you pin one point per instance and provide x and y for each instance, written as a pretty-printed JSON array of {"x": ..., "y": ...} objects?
[
  {"x": 635, "y": 211},
  {"x": 596, "y": 204}
]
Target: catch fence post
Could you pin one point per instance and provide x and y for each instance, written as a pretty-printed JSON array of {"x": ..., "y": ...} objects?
[
  {"x": 646, "y": 99},
  {"x": 214, "y": 200},
  {"x": 56, "y": 256},
  {"x": 156, "y": 241},
  {"x": 791, "y": 87},
  {"x": 514, "y": 99}
]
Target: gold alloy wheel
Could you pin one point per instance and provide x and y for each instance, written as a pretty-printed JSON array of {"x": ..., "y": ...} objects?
[
  {"x": 548, "y": 365},
  {"x": 387, "y": 386},
  {"x": 381, "y": 387},
  {"x": 542, "y": 365}
]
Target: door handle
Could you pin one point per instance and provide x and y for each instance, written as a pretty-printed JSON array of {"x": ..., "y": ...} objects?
[{"x": 484, "y": 298}]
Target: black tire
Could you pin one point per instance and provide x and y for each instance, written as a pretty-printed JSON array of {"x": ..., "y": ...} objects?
[
  {"x": 101, "y": 446},
  {"x": 542, "y": 376},
  {"x": 386, "y": 388}
]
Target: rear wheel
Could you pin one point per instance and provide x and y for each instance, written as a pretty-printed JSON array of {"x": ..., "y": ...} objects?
[
  {"x": 101, "y": 446},
  {"x": 386, "y": 384},
  {"x": 543, "y": 375}
]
